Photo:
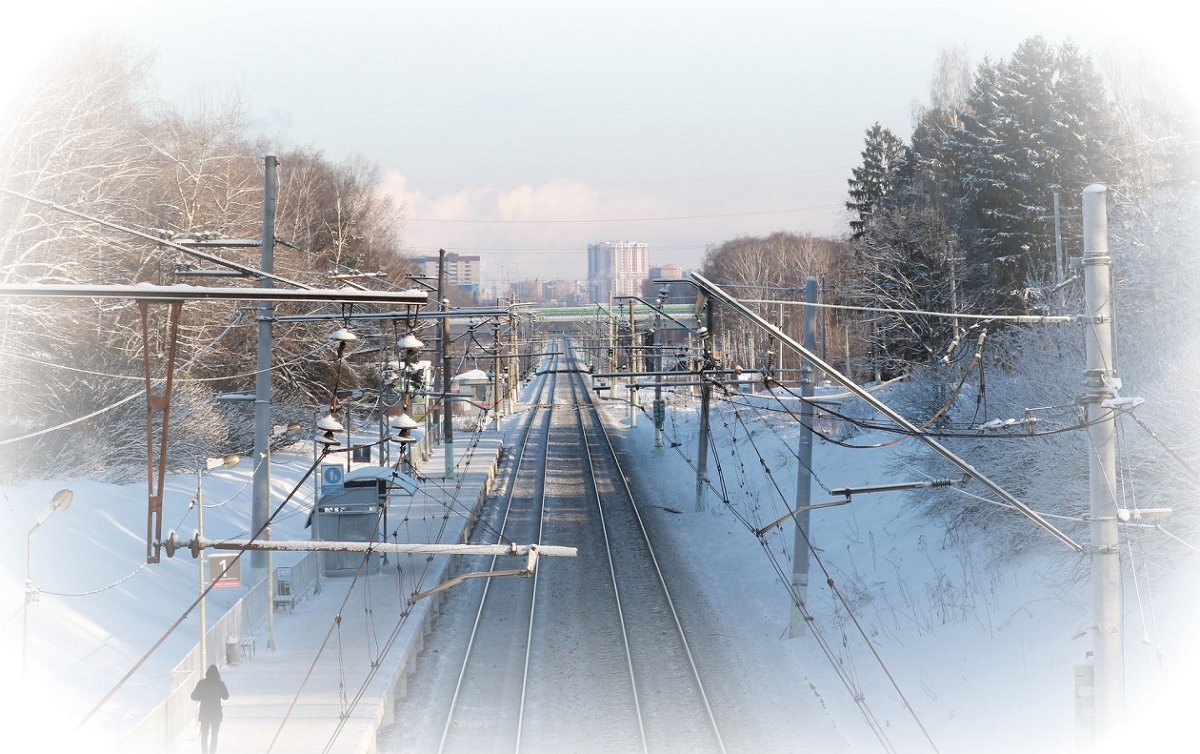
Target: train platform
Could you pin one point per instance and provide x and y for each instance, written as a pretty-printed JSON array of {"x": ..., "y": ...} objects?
[{"x": 342, "y": 655}]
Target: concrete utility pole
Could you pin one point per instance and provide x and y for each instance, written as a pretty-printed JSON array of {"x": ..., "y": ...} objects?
[
  {"x": 512, "y": 366},
  {"x": 800, "y": 545},
  {"x": 261, "y": 497},
  {"x": 496, "y": 400},
  {"x": 444, "y": 346},
  {"x": 1102, "y": 384},
  {"x": 660, "y": 410},
  {"x": 633, "y": 393},
  {"x": 705, "y": 399}
]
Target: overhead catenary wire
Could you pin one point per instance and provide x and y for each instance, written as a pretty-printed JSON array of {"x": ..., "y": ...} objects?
[
  {"x": 350, "y": 704},
  {"x": 590, "y": 221},
  {"x": 244, "y": 269},
  {"x": 1029, "y": 319},
  {"x": 187, "y": 611},
  {"x": 141, "y": 378},
  {"x": 813, "y": 552},
  {"x": 852, "y": 686},
  {"x": 134, "y": 396}
]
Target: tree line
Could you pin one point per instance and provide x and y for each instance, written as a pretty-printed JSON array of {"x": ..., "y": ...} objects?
[
  {"x": 959, "y": 217},
  {"x": 87, "y": 136}
]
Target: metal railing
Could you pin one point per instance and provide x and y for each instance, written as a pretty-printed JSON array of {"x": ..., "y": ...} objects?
[{"x": 157, "y": 731}]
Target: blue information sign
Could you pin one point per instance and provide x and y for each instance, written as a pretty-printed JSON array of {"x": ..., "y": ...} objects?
[{"x": 332, "y": 478}]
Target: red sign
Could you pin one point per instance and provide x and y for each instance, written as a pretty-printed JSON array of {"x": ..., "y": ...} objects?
[{"x": 225, "y": 570}]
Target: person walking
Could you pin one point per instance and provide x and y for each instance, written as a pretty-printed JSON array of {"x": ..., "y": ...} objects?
[{"x": 209, "y": 692}]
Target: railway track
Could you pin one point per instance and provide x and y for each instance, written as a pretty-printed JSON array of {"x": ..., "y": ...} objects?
[{"x": 587, "y": 655}]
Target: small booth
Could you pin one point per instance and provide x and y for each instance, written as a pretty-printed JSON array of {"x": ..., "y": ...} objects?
[
  {"x": 355, "y": 511},
  {"x": 476, "y": 386}
]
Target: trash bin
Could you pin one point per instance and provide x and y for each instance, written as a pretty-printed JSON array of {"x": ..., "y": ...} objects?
[{"x": 233, "y": 651}]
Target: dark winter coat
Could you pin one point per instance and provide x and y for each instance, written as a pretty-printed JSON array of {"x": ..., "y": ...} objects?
[{"x": 209, "y": 692}]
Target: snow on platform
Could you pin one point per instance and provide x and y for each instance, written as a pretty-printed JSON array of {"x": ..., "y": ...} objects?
[{"x": 294, "y": 699}]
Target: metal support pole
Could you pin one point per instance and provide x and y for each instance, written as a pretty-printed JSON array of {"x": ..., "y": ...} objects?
[
  {"x": 202, "y": 561},
  {"x": 705, "y": 398},
  {"x": 30, "y": 597},
  {"x": 496, "y": 400},
  {"x": 444, "y": 347},
  {"x": 660, "y": 408},
  {"x": 261, "y": 504},
  {"x": 633, "y": 393},
  {"x": 513, "y": 366},
  {"x": 316, "y": 518},
  {"x": 803, "y": 537},
  {"x": 1100, "y": 381}
]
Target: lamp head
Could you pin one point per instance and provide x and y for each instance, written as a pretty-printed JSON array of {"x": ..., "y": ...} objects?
[
  {"x": 228, "y": 462},
  {"x": 62, "y": 500}
]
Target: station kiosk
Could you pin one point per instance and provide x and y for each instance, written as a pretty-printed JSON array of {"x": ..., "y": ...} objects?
[{"x": 355, "y": 511}]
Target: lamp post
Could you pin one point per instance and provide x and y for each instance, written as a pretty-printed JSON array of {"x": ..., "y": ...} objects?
[
  {"x": 342, "y": 337},
  {"x": 290, "y": 430},
  {"x": 327, "y": 427},
  {"x": 227, "y": 462},
  {"x": 61, "y": 500},
  {"x": 660, "y": 410}
]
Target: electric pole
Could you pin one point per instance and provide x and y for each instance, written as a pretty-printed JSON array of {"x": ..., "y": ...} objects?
[
  {"x": 706, "y": 359},
  {"x": 1102, "y": 384},
  {"x": 633, "y": 392},
  {"x": 804, "y": 470},
  {"x": 444, "y": 347},
  {"x": 660, "y": 411},
  {"x": 496, "y": 400},
  {"x": 261, "y": 503}
]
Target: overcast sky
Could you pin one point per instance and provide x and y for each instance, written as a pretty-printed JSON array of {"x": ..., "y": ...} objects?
[{"x": 677, "y": 123}]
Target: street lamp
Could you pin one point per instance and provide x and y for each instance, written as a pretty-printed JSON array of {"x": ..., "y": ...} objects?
[
  {"x": 227, "y": 462},
  {"x": 289, "y": 431},
  {"x": 61, "y": 501}
]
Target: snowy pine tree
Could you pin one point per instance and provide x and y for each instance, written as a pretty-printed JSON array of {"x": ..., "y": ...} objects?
[
  {"x": 875, "y": 180},
  {"x": 1035, "y": 123}
]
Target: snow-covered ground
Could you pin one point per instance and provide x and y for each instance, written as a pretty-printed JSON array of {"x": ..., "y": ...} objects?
[
  {"x": 982, "y": 650},
  {"x": 101, "y": 607}
]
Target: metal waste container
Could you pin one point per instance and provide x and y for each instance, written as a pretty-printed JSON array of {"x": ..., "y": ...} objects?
[{"x": 233, "y": 651}]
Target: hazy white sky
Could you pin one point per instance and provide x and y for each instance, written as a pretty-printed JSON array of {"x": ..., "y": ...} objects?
[{"x": 524, "y": 131}]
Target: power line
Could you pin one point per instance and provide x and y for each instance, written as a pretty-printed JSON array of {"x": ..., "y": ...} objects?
[{"x": 620, "y": 219}]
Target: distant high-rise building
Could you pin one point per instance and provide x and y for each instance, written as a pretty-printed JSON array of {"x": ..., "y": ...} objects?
[
  {"x": 461, "y": 270},
  {"x": 616, "y": 268},
  {"x": 528, "y": 290},
  {"x": 563, "y": 292}
]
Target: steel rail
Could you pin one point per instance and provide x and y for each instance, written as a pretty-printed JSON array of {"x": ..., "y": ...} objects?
[
  {"x": 591, "y": 469},
  {"x": 624, "y": 481},
  {"x": 517, "y": 464},
  {"x": 549, "y": 408}
]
